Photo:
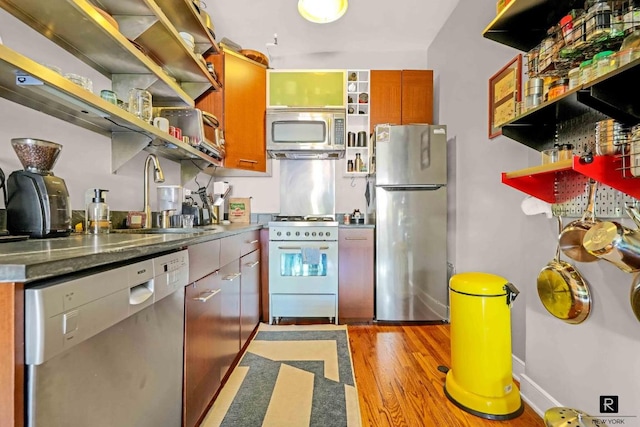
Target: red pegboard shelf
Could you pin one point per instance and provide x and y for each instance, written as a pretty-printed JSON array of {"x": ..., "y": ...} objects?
[{"x": 540, "y": 181}]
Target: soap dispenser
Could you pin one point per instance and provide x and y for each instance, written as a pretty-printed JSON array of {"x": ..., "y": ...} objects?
[{"x": 97, "y": 215}]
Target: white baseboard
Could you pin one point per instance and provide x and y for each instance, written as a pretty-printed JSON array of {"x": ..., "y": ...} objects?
[
  {"x": 534, "y": 395},
  {"x": 517, "y": 369}
]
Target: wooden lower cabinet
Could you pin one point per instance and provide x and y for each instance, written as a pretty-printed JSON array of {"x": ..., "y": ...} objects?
[
  {"x": 264, "y": 275},
  {"x": 230, "y": 322},
  {"x": 249, "y": 295},
  {"x": 356, "y": 268},
  {"x": 203, "y": 355}
]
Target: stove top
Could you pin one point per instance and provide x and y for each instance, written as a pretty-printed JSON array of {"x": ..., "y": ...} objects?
[{"x": 305, "y": 218}]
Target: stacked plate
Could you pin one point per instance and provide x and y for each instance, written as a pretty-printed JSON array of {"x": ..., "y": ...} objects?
[{"x": 188, "y": 40}]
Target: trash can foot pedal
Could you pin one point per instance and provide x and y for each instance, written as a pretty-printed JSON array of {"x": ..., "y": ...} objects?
[{"x": 443, "y": 369}]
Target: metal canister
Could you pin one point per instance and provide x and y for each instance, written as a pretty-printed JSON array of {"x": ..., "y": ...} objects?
[{"x": 534, "y": 91}]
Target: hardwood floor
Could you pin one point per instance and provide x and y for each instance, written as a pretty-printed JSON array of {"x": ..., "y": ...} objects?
[{"x": 399, "y": 385}]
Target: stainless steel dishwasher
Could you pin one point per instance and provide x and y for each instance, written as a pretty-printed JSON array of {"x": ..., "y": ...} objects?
[{"x": 106, "y": 349}]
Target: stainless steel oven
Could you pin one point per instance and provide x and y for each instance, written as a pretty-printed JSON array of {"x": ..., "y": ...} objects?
[{"x": 303, "y": 269}]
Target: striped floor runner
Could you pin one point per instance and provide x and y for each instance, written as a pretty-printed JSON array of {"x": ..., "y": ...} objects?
[{"x": 291, "y": 376}]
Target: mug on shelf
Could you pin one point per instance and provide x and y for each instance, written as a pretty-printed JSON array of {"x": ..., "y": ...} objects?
[{"x": 161, "y": 123}]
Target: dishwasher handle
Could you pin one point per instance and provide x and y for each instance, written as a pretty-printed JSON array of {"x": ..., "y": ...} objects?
[{"x": 140, "y": 293}]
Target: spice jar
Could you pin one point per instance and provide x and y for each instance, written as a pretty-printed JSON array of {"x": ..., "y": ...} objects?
[
  {"x": 557, "y": 88},
  {"x": 350, "y": 166},
  {"x": 585, "y": 71},
  {"x": 605, "y": 62}
]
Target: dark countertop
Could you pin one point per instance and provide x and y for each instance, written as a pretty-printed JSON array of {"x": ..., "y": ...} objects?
[{"x": 35, "y": 259}]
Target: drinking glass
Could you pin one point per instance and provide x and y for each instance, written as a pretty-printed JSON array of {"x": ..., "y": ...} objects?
[
  {"x": 109, "y": 96},
  {"x": 140, "y": 104},
  {"x": 187, "y": 221}
]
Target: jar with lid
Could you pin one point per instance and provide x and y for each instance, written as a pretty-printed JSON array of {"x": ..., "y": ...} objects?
[
  {"x": 598, "y": 20},
  {"x": 557, "y": 88},
  {"x": 585, "y": 71},
  {"x": 604, "y": 62},
  {"x": 534, "y": 92}
]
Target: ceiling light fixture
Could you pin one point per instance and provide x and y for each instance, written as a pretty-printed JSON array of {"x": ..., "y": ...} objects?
[{"x": 322, "y": 11}]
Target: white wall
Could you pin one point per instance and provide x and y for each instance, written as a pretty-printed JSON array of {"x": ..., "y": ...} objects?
[{"x": 572, "y": 364}]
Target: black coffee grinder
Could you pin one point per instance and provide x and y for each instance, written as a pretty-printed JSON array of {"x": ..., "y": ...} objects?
[{"x": 38, "y": 202}]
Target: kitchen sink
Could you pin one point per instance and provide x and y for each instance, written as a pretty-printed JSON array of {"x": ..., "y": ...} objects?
[{"x": 194, "y": 230}]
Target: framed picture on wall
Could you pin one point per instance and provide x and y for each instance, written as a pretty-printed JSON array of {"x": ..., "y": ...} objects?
[{"x": 505, "y": 94}]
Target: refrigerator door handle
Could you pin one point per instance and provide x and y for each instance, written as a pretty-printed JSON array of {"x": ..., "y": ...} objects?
[
  {"x": 425, "y": 150},
  {"x": 410, "y": 187}
]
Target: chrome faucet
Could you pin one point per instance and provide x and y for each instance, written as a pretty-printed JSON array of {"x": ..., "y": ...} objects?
[{"x": 158, "y": 176}]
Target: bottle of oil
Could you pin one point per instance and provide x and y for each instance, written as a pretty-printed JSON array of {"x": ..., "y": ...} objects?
[
  {"x": 358, "y": 163},
  {"x": 97, "y": 214}
]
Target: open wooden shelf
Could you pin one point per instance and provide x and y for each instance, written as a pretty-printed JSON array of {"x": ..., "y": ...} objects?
[{"x": 540, "y": 181}]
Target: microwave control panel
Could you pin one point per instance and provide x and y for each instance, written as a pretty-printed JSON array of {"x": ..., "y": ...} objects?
[{"x": 339, "y": 132}]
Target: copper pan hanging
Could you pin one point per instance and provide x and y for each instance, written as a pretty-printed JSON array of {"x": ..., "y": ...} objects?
[{"x": 562, "y": 290}]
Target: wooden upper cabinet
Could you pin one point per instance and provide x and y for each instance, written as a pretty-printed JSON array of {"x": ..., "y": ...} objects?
[
  {"x": 417, "y": 96},
  {"x": 240, "y": 106},
  {"x": 386, "y": 97},
  {"x": 401, "y": 97}
]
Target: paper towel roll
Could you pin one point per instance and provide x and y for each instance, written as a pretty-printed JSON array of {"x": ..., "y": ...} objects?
[{"x": 532, "y": 206}]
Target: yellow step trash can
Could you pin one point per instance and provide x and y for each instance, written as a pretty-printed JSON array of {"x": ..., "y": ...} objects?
[{"x": 480, "y": 380}]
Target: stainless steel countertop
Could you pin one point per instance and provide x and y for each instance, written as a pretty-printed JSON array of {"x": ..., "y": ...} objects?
[{"x": 36, "y": 259}]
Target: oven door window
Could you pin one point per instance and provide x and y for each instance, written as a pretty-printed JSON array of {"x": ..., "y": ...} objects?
[
  {"x": 306, "y": 263},
  {"x": 297, "y": 131}
]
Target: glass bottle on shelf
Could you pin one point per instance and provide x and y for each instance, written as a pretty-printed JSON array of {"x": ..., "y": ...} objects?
[{"x": 350, "y": 166}]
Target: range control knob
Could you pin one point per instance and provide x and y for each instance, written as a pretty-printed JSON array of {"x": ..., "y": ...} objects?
[
  {"x": 327, "y": 234},
  {"x": 297, "y": 233},
  {"x": 320, "y": 233},
  {"x": 306, "y": 233},
  {"x": 288, "y": 233},
  {"x": 313, "y": 234},
  {"x": 279, "y": 233}
]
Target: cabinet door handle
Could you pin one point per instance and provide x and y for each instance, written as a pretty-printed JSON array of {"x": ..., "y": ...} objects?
[
  {"x": 322, "y": 248},
  {"x": 252, "y": 264},
  {"x": 253, "y": 242},
  {"x": 248, "y": 161},
  {"x": 355, "y": 238},
  {"x": 232, "y": 277},
  {"x": 206, "y": 295}
]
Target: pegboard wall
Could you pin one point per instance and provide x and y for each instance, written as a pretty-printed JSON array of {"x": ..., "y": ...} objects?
[{"x": 610, "y": 203}]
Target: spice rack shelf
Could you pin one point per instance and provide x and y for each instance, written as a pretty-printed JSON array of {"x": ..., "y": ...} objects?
[
  {"x": 540, "y": 181},
  {"x": 523, "y": 23},
  {"x": 536, "y": 128},
  {"x": 357, "y": 88}
]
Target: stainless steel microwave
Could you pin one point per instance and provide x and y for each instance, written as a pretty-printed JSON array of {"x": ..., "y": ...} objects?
[{"x": 306, "y": 133}]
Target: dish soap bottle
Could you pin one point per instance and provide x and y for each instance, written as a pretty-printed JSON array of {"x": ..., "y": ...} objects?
[{"x": 97, "y": 215}]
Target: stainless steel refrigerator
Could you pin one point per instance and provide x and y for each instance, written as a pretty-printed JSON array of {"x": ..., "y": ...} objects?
[{"x": 411, "y": 223}]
